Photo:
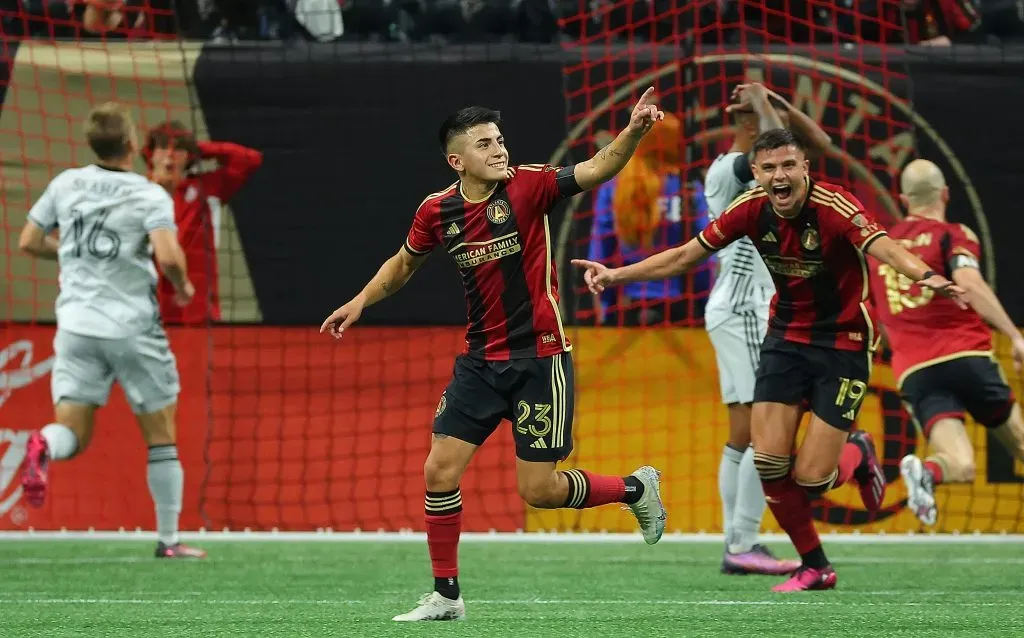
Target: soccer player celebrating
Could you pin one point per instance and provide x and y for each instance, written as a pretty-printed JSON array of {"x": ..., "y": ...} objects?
[
  {"x": 171, "y": 152},
  {"x": 942, "y": 378},
  {"x": 736, "y": 318},
  {"x": 517, "y": 366},
  {"x": 111, "y": 221},
  {"x": 812, "y": 236}
]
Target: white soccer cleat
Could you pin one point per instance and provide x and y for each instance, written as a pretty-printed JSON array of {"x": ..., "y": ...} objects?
[
  {"x": 920, "y": 489},
  {"x": 434, "y": 606},
  {"x": 649, "y": 510}
]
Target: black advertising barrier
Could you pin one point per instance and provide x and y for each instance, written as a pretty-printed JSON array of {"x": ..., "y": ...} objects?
[{"x": 349, "y": 138}]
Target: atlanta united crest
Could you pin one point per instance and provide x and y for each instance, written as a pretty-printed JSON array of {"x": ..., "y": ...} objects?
[
  {"x": 497, "y": 211},
  {"x": 441, "y": 405},
  {"x": 810, "y": 239}
]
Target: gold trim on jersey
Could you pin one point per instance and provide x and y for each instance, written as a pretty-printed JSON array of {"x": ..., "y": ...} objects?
[
  {"x": 532, "y": 167},
  {"x": 558, "y": 401},
  {"x": 943, "y": 359},
  {"x": 437, "y": 194},
  {"x": 547, "y": 285},
  {"x": 486, "y": 197},
  {"x": 751, "y": 194},
  {"x": 482, "y": 243}
]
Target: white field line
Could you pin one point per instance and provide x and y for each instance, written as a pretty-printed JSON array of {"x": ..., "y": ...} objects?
[
  {"x": 839, "y": 561},
  {"x": 517, "y": 602},
  {"x": 492, "y": 537}
]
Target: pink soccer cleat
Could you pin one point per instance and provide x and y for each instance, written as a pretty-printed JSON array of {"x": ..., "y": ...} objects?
[
  {"x": 34, "y": 476},
  {"x": 869, "y": 475},
  {"x": 808, "y": 579},
  {"x": 759, "y": 560},
  {"x": 178, "y": 550}
]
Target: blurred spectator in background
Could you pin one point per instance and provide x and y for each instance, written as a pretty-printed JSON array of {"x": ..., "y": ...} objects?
[
  {"x": 172, "y": 154},
  {"x": 646, "y": 209},
  {"x": 939, "y": 22}
]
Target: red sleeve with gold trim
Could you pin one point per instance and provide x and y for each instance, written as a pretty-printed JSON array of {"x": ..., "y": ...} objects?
[
  {"x": 736, "y": 221},
  {"x": 548, "y": 183},
  {"x": 851, "y": 218},
  {"x": 961, "y": 249},
  {"x": 423, "y": 235}
]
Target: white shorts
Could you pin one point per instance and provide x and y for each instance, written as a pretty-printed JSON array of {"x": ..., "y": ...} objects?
[
  {"x": 85, "y": 368},
  {"x": 737, "y": 342}
]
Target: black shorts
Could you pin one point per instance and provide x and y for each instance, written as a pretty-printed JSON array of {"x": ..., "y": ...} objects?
[
  {"x": 972, "y": 384},
  {"x": 535, "y": 395},
  {"x": 832, "y": 383}
]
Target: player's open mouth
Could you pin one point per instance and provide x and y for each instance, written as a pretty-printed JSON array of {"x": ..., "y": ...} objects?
[{"x": 782, "y": 192}]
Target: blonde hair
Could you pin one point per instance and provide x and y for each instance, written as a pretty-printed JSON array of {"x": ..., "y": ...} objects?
[
  {"x": 108, "y": 130},
  {"x": 641, "y": 182}
]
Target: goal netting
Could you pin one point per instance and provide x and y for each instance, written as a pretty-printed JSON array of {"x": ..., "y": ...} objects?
[{"x": 281, "y": 428}]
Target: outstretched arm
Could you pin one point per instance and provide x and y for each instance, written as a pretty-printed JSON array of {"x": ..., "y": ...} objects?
[
  {"x": 668, "y": 263},
  {"x": 908, "y": 264},
  {"x": 986, "y": 303},
  {"x": 612, "y": 158},
  {"x": 393, "y": 274}
]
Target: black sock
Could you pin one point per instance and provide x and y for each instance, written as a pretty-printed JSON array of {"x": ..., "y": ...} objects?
[
  {"x": 634, "y": 490},
  {"x": 447, "y": 587},
  {"x": 815, "y": 558}
]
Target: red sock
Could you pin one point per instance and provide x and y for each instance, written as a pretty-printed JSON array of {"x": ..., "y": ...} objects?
[
  {"x": 587, "y": 489},
  {"x": 936, "y": 471},
  {"x": 849, "y": 460},
  {"x": 792, "y": 509},
  {"x": 444, "y": 526}
]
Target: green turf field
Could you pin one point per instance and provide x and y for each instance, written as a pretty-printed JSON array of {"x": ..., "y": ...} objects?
[{"x": 525, "y": 590}]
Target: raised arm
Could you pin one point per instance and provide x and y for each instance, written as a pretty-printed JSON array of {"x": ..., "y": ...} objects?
[
  {"x": 393, "y": 274},
  {"x": 610, "y": 159}
]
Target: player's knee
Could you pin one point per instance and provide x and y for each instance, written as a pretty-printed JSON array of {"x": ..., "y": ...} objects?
[
  {"x": 772, "y": 467},
  {"x": 816, "y": 484},
  {"x": 542, "y": 493},
  {"x": 440, "y": 475}
]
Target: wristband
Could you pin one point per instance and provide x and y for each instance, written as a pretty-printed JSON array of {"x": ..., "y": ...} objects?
[{"x": 927, "y": 274}]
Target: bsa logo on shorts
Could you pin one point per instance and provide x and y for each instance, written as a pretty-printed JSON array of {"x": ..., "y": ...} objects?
[
  {"x": 810, "y": 239},
  {"x": 441, "y": 405},
  {"x": 497, "y": 211}
]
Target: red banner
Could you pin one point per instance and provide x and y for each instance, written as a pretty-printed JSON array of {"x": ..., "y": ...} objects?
[{"x": 277, "y": 427}]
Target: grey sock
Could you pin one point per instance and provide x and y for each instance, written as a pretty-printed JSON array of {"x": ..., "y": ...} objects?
[{"x": 166, "y": 485}]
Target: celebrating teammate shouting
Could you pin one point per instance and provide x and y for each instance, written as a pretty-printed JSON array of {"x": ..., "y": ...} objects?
[
  {"x": 493, "y": 222},
  {"x": 812, "y": 236}
]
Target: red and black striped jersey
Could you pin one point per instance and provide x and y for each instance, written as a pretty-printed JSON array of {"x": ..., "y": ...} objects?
[
  {"x": 912, "y": 315},
  {"x": 816, "y": 259},
  {"x": 502, "y": 248}
]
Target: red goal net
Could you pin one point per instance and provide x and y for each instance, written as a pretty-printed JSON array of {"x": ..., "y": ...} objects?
[
  {"x": 654, "y": 380},
  {"x": 280, "y": 428}
]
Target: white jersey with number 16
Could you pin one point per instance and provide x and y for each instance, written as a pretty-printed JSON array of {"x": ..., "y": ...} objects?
[{"x": 107, "y": 276}]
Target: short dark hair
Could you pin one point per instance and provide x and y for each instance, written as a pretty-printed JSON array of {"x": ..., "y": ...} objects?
[
  {"x": 464, "y": 119},
  {"x": 171, "y": 134},
  {"x": 773, "y": 139}
]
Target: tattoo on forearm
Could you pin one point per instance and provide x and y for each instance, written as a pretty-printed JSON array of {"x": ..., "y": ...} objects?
[{"x": 386, "y": 286}]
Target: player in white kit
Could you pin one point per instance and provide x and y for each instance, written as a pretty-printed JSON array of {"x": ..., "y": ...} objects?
[
  {"x": 736, "y": 318},
  {"x": 111, "y": 222}
]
